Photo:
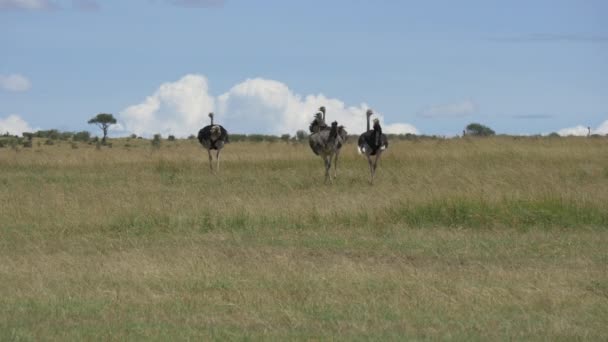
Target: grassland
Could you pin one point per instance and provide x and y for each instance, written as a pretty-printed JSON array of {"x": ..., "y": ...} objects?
[{"x": 467, "y": 239}]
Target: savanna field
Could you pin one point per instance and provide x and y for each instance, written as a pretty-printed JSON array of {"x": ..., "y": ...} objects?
[{"x": 469, "y": 239}]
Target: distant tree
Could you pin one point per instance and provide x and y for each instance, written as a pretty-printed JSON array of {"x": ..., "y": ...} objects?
[
  {"x": 171, "y": 138},
  {"x": 479, "y": 130},
  {"x": 192, "y": 137},
  {"x": 49, "y": 134},
  {"x": 301, "y": 135},
  {"x": 156, "y": 141},
  {"x": 81, "y": 136},
  {"x": 103, "y": 121},
  {"x": 285, "y": 137},
  {"x": 554, "y": 135}
]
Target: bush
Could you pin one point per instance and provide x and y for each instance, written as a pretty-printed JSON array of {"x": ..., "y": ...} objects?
[
  {"x": 74, "y": 145},
  {"x": 285, "y": 137},
  {"x": 81, "y": 136},
  {"x": 49, "y": 142},
  {"x": 192, "y": 137},
  {"x": 49, "y": 134},
  {"x": 65, "y": 136},
  {"x": 27, "y": 144},
  {"x": 301, "y": 135},
  {"x": 156, "y": 141},
  {"x": 171, "y": 138},
  {"x": 479, "y": 130}
]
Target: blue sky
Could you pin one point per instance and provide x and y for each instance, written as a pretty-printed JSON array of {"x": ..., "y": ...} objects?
[{"x": 521, "y": 67}]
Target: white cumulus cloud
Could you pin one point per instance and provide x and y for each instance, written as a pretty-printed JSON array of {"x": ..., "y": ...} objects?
[
  {"x": 400, "y": 128},
  {"x": 14, "y": 125},
  {"x": 581, "y": 130},
  {"x": 602, "y": 128},
  {"x": 14, "y": 82},
  {"x": 456, "y": 109},
  {"x": 253, "y": 106},
  {"x": 177, "y": 108},
  {"x": 29, "y": 5}
]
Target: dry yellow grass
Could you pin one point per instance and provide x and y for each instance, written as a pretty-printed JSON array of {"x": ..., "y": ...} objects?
[{"x": 496, "y": 238}]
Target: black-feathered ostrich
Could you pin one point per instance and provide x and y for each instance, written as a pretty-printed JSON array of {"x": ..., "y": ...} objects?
[
  {"x": 318, "y": 125},
  {"x": 213, "y": 137},
  {"x": 325, "y": 143},
  {"x": 372, "y": 143}
]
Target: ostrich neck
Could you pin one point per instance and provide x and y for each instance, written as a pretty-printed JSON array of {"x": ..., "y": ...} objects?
[
  {"x": 212, "y": 121},
  {"x": 368, "y": 123}
]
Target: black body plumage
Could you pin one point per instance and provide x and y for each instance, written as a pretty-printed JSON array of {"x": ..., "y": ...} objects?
[
  {"x": 373, "y": 139},
  {"x": 210, "y": 140}
]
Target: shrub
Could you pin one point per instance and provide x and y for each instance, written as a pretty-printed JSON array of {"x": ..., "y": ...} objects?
[
  {"x": 49, "y": 142},
  {"x": 301, "y": 135},
  {"x": 171, "y": 138},
  {"x": 156, "y": 141},
  {"x": 479, "y": 130},
  {"x": 81, "y": 136}
]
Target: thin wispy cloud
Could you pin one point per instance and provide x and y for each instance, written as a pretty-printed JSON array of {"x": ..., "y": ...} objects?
[
  {"x": 28, "y": 5},
  {"x": 86, "y": 5},
  {"x": 552, "y": 37},
  {"x": 49, "y": 5},
  {"x": 450, "y": 110},
  {"x": 533, "y": 116},
  {"x": 14, "y": 82},
  {"x": 192, "y": 3}
]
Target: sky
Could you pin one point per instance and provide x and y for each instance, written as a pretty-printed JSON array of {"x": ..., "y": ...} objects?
[{"x": 265, "y": 66}]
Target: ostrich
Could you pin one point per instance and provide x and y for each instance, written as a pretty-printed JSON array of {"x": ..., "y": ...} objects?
[
  {"x": 318, "y": 124},
  {"x": 325, "y": 144},
  {"x": 213, "y": 137},
  {"x": 372, "y": 143}
]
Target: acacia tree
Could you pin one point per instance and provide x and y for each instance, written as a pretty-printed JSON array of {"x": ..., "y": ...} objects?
[
  {"x": 479, "y": 130},
  {"x": 103, "y": 121}
]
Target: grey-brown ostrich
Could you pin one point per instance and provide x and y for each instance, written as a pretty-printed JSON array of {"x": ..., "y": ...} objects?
[
  {"x": 372, "y": 143},
  {"x": 213, "y": 137},
  {"x": 318, "y": 124},
  {"x": 325, "y": 144}
]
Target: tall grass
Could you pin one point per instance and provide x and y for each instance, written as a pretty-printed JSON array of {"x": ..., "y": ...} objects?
[{"x": 464, "y": 239}]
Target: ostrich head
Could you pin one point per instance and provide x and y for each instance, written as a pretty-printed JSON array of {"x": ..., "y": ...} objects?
[
  {"x": 322, "y": 109},
  {"x": 376, "y": 123},
  {"x": 211, "y": 117},
  {"x": 369, "y": 113}
]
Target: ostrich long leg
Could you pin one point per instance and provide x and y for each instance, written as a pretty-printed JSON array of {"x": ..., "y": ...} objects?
[
  {"x": 218, "y": 160},
  {"x": 210, "y": 160},
  {"x": 327, "y": 160},
  {"x": 336, "y": 164},
  {"x": 376, "y": 161},
  {"x": 371, "y": 169}
]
